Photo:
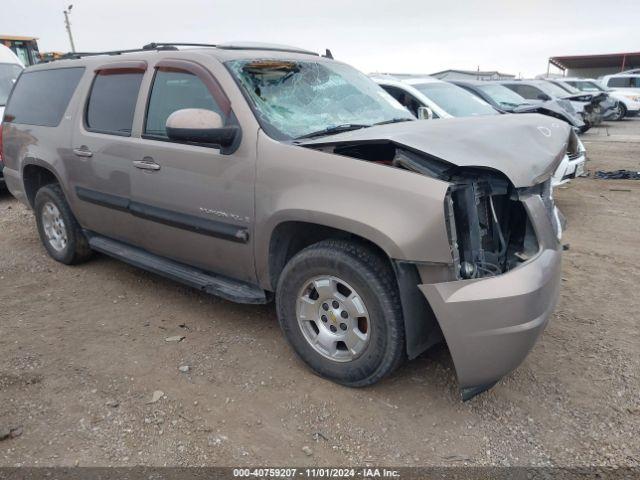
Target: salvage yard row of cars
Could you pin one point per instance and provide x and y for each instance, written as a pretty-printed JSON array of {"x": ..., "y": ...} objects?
[{"x": 264, "y": 172}]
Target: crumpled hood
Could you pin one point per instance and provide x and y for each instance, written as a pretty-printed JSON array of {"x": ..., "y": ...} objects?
[
  {"x": 552, "y": 107},
  {"x": 527, "y": 148}
]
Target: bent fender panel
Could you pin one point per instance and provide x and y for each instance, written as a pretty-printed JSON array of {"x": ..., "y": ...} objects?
[{"x": 400, "y": 211}]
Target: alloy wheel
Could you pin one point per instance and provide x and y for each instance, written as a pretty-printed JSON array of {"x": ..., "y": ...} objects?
[
  {"x": 54, "y": 227},
  {"x": 333, "y": 318}
]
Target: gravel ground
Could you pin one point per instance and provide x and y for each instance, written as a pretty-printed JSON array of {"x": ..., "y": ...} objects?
[{"x": 88, "y": 378}]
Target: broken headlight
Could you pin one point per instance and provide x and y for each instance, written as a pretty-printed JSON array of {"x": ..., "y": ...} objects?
[{"x": 488, "y": 227}]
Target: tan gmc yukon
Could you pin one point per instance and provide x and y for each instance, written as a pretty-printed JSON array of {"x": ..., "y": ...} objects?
[{"x": 261, "y": 172}]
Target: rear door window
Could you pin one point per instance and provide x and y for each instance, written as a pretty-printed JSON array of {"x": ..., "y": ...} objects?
[
  {"x": 407, "y": 100},
  {"x": 41, "y": 97},
  {"x": 175, "y": 90},
  {"x": 112, "y": 101}
]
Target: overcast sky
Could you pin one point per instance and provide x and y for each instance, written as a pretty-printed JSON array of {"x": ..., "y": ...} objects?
[{"x": 413, "y": 36}]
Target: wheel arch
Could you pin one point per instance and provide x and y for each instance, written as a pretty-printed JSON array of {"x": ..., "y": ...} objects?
[
  {"x": 35, "y": 175},
  {"x": 291, "y": 236}
]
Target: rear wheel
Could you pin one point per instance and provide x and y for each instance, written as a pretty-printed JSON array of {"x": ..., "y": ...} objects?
[
  {"x": 59, "y": 231},
  {"x": 338, "y": 305}
]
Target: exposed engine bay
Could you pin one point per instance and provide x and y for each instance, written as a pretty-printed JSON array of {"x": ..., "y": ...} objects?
[{"x": 488, "y": 227}]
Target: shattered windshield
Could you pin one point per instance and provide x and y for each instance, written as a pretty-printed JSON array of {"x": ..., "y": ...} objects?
[
  {"x": 502, "y": 95},
  {"x": 455, "y": 100},
  {"x": 294, "y": 99}
]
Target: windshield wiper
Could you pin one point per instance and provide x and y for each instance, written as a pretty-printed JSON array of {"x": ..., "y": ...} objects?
[
  {"x": 394, "y": 120},
  {"x": 333, "y": 130}
]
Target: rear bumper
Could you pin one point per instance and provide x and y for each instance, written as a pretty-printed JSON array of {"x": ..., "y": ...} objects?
[{"x": 491, "y": 324}]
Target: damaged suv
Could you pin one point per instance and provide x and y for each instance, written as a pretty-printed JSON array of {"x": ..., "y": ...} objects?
[{"x": 259, "y": 172}]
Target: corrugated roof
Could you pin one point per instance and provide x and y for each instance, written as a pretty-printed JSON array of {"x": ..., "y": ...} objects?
[{"x": 605, "y": 60}]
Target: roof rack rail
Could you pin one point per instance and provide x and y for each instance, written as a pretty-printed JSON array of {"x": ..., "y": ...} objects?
[
  {"x": 234, "y": 46},
  {"x": 76, "y": 55},
  {"x": 175, "y": 45}
]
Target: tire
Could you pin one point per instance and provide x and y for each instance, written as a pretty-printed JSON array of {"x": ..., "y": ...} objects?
[
  {"x": 622, "y": 111},
  {"x": 367, "y": 276},
  {"x": 59, "y": 231}
]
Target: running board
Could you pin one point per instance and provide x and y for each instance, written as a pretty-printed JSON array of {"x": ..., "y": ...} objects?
[{"x": 226, "y": 288}]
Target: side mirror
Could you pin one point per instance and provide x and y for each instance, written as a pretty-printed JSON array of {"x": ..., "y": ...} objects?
[
  {"x": 544, "y": 97},
  {"x": 200, "y": 126},
  {"x": 425, "y": 113}
]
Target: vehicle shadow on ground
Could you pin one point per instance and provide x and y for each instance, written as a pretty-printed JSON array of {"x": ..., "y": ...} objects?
[{"x": 5, "y": 195}]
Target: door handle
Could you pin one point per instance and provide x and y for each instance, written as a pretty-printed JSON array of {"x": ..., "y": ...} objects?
[
  {"x": 83, "y": 151},
  {"x": 146, "y": 163}
]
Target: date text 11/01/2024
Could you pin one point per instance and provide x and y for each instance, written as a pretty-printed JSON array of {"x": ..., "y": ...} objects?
[{"x": 364, "y": 473}]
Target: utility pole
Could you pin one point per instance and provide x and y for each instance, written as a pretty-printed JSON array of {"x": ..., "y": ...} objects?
[{"x": 68, "y": 26}]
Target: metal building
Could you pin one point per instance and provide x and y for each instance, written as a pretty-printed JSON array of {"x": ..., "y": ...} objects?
[
  {"x": 472, "y": 75},
  {"x": 594, "y": 66}
]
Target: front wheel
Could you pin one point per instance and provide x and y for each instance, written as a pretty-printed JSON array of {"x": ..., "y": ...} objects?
[
  {"x": 338, "y": 305},
  {"x": 621, "y": 111}
]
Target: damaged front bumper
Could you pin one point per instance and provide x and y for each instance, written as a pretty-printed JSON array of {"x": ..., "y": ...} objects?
[
  {"x": 490, "y": 324},
  {"x": 573, "y": 164}
]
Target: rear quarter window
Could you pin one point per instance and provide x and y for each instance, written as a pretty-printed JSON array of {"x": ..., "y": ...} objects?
[
  {"x": 619, "y": 82},
  {"x": 112, "y": 102},
  {"x": 41, "y": 97}
]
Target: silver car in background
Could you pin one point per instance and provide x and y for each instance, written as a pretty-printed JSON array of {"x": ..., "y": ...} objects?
[
  {"x": 543, "y": 90},
  {"x": 628, "y": 101},
  {"x": 429, "y": 98}
]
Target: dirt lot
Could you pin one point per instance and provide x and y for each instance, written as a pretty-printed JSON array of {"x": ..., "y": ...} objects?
[{"x": 82, "y": 351}]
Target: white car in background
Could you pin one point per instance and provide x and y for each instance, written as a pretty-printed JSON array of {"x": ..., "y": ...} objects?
[
  {"x": 10, "y": 69},
  {"x": 625, "y": 87},
  {"x": 429, "y": 98},
  {"x": 625, "y": 81}
]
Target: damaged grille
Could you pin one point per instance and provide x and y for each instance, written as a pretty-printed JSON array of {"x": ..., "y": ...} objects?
[{"x": 489, "y": 229}]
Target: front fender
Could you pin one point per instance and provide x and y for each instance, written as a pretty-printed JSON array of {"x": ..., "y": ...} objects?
[{"x": 400, "y": 211}]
